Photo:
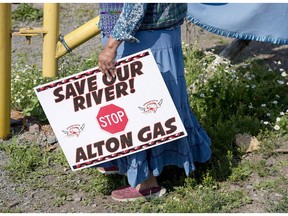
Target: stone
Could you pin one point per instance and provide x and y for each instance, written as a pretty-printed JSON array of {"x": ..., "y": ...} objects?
[
  {"x": 14, "y": 203},
  {"x": 51, "y": 139},
  {"x": 247, "y": 142},
  {"x": 34, "y": 128},
  {"x": 77, "y": 198}
]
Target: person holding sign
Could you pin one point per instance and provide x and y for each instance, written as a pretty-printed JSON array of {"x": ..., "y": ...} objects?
[{"x": 132, "y": 27}]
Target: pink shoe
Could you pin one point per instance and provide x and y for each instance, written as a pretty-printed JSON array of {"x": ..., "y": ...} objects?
[
  {"x": 128, "y": 193},
  {"x": 108, "y": 170}
]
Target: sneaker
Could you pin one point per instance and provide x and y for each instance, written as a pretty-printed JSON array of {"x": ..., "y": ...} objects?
[
  {"x": 108, "y": 170},
  {"x": 128, "y": 193}
]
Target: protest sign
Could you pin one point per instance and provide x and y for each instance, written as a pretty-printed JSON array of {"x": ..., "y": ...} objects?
[{"x": 97, "y": 119}]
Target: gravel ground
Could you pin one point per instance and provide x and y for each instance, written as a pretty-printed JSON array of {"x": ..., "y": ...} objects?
[{"x": 72, "y": 16}]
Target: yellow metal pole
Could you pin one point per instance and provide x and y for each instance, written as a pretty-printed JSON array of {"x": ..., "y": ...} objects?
[
  {"x": 78, "y": 36},
  {"x": 5, "y": 68},
  {"x": 51, "y": 25}
]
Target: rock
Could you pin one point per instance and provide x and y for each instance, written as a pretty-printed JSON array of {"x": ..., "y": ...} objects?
[
  {"x": 247, "y": 142},
  {"x": 34, "y": 128},
  {"x": 51, "y": 140},
  {"x": 32, "y": 195},
  {"x": 51, "y": 148},
  {"x": 77, "y": 198},
  {"x": 41, "y": 138},
  {"x": 14, "y": 203}
]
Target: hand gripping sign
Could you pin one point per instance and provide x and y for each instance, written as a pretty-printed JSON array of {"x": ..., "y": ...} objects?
[{"x": 97, "y": 119}]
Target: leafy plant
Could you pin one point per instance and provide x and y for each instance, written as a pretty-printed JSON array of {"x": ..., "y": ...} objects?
[
  {"x": 246, "y": 98},
  {"x": 26, "y": 12},
  {"x": 25, "y": 78},
  {"x": 24, "y": 159}
]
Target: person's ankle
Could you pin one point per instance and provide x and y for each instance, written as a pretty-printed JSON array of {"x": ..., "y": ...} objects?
[
  {"x": 146, "y": 186},
  {"x": 149, "y": 183}
]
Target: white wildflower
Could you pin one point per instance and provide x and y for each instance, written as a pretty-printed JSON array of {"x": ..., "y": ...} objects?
[
  {"x": 278, "y": 119},
  {"x": 250, "y": 106},
  {"x": 268, "y": 114},
  {"x": 202, "y": 95},
  {"x": 176, "y": 199},
  {"x": 276, "y": 127},
  {"x": 211, "y": 90},
  {"x": 275, "y": 102},
  {"x": 253, "y": 86},
  {"x": 282, "y": 113},
  {"x": 263, "y": 105},
  {"x": 277, "y": 96},
  {"x": 280, "y": 82},
  {"x": 284, "y": 74},
  {"x": 266, "y": 122}
]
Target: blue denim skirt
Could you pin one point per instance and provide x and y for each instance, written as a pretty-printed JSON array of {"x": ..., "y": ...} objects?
[{"x": 166, "y": 47}]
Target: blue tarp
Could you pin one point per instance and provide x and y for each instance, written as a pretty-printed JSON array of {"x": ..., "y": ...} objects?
[{"x": 246, "y": 21}]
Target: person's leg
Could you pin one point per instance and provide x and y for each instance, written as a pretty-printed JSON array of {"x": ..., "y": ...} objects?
[{"x": 149, "y": 183}]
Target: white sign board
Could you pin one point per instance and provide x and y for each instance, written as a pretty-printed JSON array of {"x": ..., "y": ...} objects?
[{"x": 97, "y": 119}]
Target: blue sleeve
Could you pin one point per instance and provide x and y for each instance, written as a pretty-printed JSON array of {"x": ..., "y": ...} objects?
[{"x": 129, "y": 22}]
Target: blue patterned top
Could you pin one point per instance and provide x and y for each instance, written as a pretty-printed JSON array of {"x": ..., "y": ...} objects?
[
  {"x": 109, "y": 14},
  {"x": 141, "y": 16}
]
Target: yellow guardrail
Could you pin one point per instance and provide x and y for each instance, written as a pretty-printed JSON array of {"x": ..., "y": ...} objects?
[
  {"x": 54, "y": 47},
  {"x": 5, "y": 69}
]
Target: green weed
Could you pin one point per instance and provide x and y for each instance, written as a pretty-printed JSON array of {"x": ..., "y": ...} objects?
[
  {"x": 24, "y": 159},
  {"x": 25, "y": 78},
  {"x": 247, "y": 98},
  {"x": 26, "y": 12}
]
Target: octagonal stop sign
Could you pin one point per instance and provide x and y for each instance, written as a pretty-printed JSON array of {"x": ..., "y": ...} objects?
[{"x": 112, "y": 118}]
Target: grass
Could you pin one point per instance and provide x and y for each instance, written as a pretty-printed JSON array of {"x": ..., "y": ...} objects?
[{"x": 247, "y": 98}]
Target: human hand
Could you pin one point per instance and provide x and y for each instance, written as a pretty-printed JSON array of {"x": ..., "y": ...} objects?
[{"x": 106, "y": 58}]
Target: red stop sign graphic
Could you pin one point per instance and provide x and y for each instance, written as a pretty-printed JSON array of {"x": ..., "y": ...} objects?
[{"x": 112, "y": 118}]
